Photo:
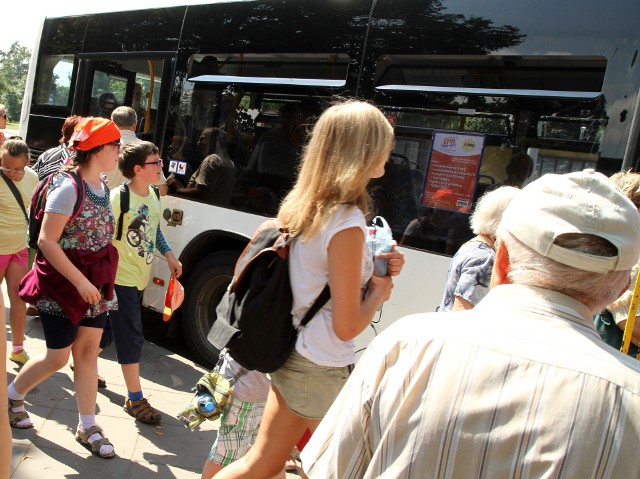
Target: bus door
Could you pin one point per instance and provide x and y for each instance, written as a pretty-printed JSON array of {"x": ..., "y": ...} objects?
[{"x": 138, "y": 80}]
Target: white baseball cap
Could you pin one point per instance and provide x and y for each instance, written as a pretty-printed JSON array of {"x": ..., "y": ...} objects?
[{"x": 584, "y": 202}]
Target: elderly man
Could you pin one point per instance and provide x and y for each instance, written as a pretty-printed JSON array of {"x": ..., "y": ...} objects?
[
  {"x": 126, "y": 120},
  {"x": 519, "y": 386}
]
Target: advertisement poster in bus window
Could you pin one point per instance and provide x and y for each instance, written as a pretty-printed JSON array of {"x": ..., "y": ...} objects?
[{"x": 454, "y": 161}]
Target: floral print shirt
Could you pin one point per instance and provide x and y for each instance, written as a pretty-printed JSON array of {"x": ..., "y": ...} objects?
[{"x": 91, "y": 230}]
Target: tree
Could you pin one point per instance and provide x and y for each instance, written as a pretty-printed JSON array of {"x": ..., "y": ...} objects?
[{"x": 14, "y": 66}]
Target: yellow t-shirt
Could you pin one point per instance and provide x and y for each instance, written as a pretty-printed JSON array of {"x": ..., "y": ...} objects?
[
  {"x": 13, "y": 224},
  {"x": 138, "y": 241}
]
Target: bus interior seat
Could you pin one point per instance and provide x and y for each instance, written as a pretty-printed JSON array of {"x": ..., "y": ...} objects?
[
  {"x": 275, "y": 158},
  {"x": 404, "y": 185}
]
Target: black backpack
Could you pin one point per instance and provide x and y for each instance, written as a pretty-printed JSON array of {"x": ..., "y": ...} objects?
[
  {"x": 39, "y": 201},
  {"x": 254, "y": 316},
  {"x": 124, "y": 205}
]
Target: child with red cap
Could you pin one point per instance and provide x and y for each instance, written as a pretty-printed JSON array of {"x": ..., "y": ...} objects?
[{"x": 72, "y": 280}]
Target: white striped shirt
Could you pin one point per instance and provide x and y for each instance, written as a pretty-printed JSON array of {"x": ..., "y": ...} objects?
[
  {"x": 519, "y": 387},
  {"x": 51, "y": 161}
]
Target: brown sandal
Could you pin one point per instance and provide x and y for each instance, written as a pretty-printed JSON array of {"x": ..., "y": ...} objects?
[
  {"x": 16, "y": 417},
  {"x": 83, "y": 438},
  {"x": 142, "y": 411}
]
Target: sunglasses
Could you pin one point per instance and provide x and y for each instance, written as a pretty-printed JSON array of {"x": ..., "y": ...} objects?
[
  {"x": 157, "y": 162},
  {"x": 115, "y": 143},
  {"x": 12, "y": 170},
  {"x": 4, "y": 115}
]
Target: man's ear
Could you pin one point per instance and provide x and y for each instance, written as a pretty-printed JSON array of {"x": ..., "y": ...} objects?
[{"x": 500, "y": 266}]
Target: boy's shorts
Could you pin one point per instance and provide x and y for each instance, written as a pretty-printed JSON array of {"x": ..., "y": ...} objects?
[
  {"x": 239, "y": 425},
  {"x": 124, "y": 326},
  {"x": 21, "y": 258}
]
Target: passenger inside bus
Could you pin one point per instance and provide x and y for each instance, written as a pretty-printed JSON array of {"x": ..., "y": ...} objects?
[
  {"x": 214, "y": 179},
  {"x": 518, "y": 170},
  {"x": 106, "y": 104},
  {"x": 274, "y": 160},
  {"x": 275, "y": 144},
  {"x": 136, "y": 101}
]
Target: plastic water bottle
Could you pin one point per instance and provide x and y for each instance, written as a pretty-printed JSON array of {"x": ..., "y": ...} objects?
[
  {"x": 379, "y": 240},
  {"x": 205, "y": 403}
]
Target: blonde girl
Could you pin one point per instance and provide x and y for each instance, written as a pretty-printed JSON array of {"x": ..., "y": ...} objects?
[{"x": 326, "y": 210}]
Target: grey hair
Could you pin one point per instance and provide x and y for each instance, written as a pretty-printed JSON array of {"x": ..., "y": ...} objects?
[
  {"x": 530, "y": 268},
  {"x": 124, "y": 117},
  {"x": 488, "y": 212}
]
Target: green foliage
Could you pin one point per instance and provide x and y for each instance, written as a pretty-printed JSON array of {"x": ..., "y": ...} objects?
[{"x": 14, "y": 66}]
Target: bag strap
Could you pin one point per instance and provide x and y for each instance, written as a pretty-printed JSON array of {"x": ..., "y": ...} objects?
[
  {"x": 124, "y": 205},
  {"x": 216, "y": 369},
  {"x": 80, "y": 193},
  {"x": 320, "y": 301},
  {"x": 16, "y": 195}
]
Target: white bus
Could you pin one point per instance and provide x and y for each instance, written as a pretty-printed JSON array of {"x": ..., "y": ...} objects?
[{"x": 558, "y": 81}]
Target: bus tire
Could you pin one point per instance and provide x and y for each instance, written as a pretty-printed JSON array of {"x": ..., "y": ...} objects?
[{"x": 207, "y": 284}]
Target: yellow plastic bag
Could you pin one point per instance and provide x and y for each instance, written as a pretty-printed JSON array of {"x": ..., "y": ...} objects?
[{"x": 220, "y": 389}]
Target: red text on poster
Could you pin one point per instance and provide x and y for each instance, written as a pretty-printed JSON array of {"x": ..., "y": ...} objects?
[{"x": 453, "y": 166}]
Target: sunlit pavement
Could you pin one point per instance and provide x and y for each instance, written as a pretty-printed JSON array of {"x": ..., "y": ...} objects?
[{"x": 169, "y": 450}]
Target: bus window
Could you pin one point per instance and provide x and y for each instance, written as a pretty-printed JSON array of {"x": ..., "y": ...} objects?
[
  {"x": 537, "y": 115},
  {"x": 107, "y": 93},
  {"x": 124, "y": 80},
  {"x": 54, "y": 81},
  {"x": 261, "y": 133}
]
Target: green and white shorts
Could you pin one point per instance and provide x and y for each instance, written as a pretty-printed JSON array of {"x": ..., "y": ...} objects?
[{"x": 239, "y": 425}]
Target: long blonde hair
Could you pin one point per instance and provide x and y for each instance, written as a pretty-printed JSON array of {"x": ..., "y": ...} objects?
[{"x": 347, "y": 144}]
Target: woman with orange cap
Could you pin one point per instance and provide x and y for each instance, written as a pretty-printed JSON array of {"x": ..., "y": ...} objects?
[{"x": 72, "y": 279}]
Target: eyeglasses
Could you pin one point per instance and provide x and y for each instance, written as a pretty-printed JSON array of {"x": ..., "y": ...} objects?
[
  {"x": 157, "y": 162},
  {"x": 115, "y": 143},
  {"x": 12, "y": 170}
]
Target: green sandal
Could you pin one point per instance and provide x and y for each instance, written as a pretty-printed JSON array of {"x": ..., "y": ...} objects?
[
  {"x": 83, "y": 438},
  {"x": 16, "y": 417}
]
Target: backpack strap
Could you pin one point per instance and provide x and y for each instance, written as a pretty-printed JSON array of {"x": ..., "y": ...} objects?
[
  {"x": 124, "y": 206},
  {"x": 80, "y": 193},
  {"x": 16, "y": 194},
  {"x": 155, "y": 190},
  {"x": 320, "y": 301}
]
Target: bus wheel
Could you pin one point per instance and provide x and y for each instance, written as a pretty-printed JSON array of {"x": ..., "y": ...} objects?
[{"x": 207, "y": 284}]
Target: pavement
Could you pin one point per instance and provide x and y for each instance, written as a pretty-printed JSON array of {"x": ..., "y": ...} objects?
[{"x": 168, "y": 450}]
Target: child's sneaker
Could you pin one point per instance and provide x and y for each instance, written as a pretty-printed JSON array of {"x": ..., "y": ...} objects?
[{"x": 21, "y": 358}]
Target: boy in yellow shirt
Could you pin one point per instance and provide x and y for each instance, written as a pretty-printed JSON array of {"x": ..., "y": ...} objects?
[{"x": 141, "y": 164}]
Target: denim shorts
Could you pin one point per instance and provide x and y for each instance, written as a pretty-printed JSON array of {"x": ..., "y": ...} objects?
[{"x": 308, "y": 388}]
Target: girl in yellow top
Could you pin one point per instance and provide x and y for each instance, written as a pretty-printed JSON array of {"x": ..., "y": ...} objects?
[{"x": 14, "y": 255}]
